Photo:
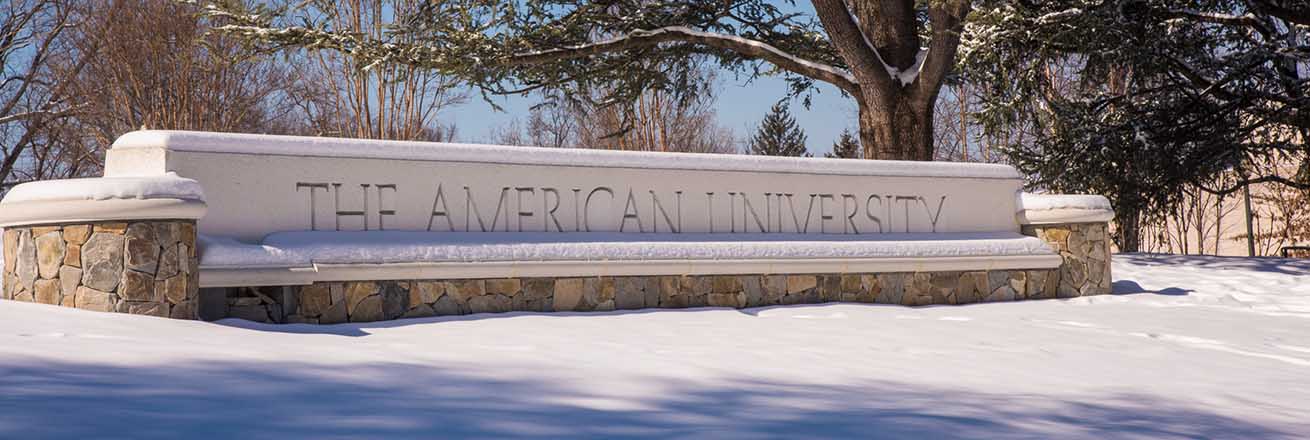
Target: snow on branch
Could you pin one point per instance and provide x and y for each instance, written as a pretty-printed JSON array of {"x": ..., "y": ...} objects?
[
  {"x": 1247, "y": 20},
  {"x": 744, "y": 46}
]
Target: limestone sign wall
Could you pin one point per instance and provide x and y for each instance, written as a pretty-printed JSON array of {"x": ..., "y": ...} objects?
[{"x": 263, "y": 184}]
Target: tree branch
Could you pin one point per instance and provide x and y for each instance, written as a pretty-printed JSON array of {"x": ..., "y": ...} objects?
[
  {"x": 648, "y": 38},
  {"x": 850, "y": 42},
  {"x": 1297, "y": 16},
  {"x": 1222, "y": 191},
  {"x": 947, "y": 24}
]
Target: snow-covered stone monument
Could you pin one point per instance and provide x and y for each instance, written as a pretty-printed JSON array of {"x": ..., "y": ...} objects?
[{"x": 323, "y": 230}]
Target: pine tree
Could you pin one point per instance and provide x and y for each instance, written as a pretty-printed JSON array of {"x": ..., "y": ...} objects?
[
  {"x": 1139, "y": 100},
  {"x": 846, "y": 147},
  {"x": 778, "y": 135}
]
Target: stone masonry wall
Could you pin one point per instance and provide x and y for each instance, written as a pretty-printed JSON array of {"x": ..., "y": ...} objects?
[
  {"x": 328, "y": 303},
  {"x": 139, "y": 267},
  {"x": 1085, "y": 248}
]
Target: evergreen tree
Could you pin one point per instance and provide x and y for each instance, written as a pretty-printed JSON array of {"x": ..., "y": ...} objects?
[
  {"x": 846, "y": 147},
  {"x": 1140, "y": 99},
  {"x": 778, "y": 135}
]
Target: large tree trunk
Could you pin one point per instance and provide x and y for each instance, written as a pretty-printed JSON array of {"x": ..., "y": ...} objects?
[
  {"x": 880, "y": 41},
  {"x": 897, "y": 130}
]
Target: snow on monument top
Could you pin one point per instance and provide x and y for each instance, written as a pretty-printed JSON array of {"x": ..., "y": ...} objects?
[
  {"x": 167, "y": 186},
  {"x": 206, "y": 142}
]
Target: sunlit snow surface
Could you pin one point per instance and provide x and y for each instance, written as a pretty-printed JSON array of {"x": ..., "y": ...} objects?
[{"x": 1190, "y": 347}]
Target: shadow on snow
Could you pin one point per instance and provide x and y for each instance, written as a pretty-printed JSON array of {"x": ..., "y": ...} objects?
[
  {"x": 1286, "y": 266},
  {"x": 294, "y": 400}
]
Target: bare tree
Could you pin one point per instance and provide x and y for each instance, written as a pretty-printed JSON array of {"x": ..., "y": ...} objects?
[
  {"x": 341, "y": 95},
  {"x": 31, "y": 97},
  {"x": 156, "y": 67},
  {"x": 654, "y": 121}
]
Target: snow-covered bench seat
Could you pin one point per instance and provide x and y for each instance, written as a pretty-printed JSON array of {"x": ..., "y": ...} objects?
[{"x": 305, "y": 257}]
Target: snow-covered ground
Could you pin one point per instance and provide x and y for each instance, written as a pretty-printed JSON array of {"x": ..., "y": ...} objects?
[{"x": 1189, "y": 347}]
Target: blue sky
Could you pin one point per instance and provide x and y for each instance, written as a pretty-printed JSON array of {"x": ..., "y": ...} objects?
[{"x": 741, "y": 105}]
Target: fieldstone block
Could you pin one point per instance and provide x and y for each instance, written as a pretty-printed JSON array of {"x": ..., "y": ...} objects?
[
  {"x": 851, "y": 283},
  {"x": 801, "y": 283},
  {"x": 775, "y": 287},
  {"x": 446, "y": 305},
  {"x": 568, "y": 294},
  {"x": 142, "y": 249},
  {"x": 77, "y": 234},
  {"x": 26, "y": 266},
  {"x": 734, "y": 300},
  {"x": 537, "y": 288},
  {"x": 187, "y": 235},
  {"x": 507, "y": 287},
  {"x": 426, "y": 292},
  {"x": 10, "y": 249},
  {"x": 69, "y": 278},
  {"x": 419, "y": 311},
  {"x": 148, "y": 308},
  {"x": 919, "y": 288},
  {"x": 491, "y": 303},
  {"x": 186, "y": 258},
  {"x": 116, "y": 228},
  {"x": 336, "y": 314},
  {"x": 598, "y": 294},
  {"x": 1018, "y": 281},
  {"x": 827, "y": 289},
  {"x": 725, "y": 284},
  {"x": 696, "y": 289},
  {"x": 1058, "y": 237},
  {"x": 870, "y": 288},
  {"x": 465, "y": 290},
  {"x": 38, "y": 231},
  {"x": 996, "y": 279},
  {"x": 753, "y": 288},
  {"x": 315, "y": 299},
  {"x": 338, "y": 291},
  {"x": 166, "y": 234},
  {"x": 1002, "y": 293},
  {"x": 174, "y": 290},
  {"x": 137, "y": 286},
  {"x": 368, "y": 309},
  {"x": 668, "y": 292},
  {"x": 534, "y": 295},
  {"x": 973, "y": 287},
  {"x": 102, "y": 261},
  {"x": 629, "y": 293},
  {"x": 395, "y": 299},
  {"x": 356, "y": 292},
  {"x": 92, "y": 299},
  {"x": 681, "y": 295},
  {"x": 169, "y": 263},
  {"x": 47, "y": 292},
  {"x": 183, "y": 310},
  {"x": 73, "y": 255},
  {"x": 49, "y": 254}
]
